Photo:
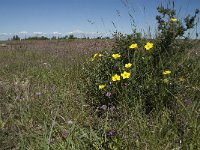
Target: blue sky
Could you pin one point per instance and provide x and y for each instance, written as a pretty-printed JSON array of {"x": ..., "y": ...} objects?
[{"x": 90, "y": 17}]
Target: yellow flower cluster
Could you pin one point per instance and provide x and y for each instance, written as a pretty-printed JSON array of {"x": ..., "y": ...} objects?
[
  {"x": 124, "y": 75},
  {"x": 148, "y": 46}
]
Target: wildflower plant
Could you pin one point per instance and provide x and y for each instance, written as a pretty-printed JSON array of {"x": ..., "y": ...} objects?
[
  {"x": 170, "y": 31},
  {"x": 134, "y": 71}
]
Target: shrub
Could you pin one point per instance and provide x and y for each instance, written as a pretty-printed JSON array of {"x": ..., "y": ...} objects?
[{"x": 139, "y": 71}]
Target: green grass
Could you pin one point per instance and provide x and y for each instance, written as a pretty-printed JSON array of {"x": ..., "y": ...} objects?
[
  {"x": 42, "y": 105},
  {"x": 38, "y": 89}
]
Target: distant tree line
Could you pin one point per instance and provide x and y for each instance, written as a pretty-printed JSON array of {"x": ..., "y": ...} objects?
[
  {"x": 15, "y": 38},
  {"x": 66, "y": 37}
]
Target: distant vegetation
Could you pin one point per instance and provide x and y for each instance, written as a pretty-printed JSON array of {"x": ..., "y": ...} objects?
[{"x": 66, "y": 37}]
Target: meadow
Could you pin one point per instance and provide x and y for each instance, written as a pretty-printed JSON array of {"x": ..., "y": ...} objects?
[
  {"x": 39, "y": 90},
  {"x": 125, "y": 93},
  {"x": 42, "y": 105}
]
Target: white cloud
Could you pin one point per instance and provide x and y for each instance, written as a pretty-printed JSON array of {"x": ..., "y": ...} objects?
[
  {"x": 79, "y": 33},
  {"x": 57, "y": 33},
  {"x": 4, "y": 34},
  {"x": 38, "y": 33},
  {"x": 75, "y": 32},
  {"x": 70, "y": 33},
  {"x": 86, "y": 33},
  {"x": 23, "y": 32}
]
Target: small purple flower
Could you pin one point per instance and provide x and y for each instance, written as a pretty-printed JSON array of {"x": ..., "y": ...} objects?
[
  {"x": 18, "y": 98},
  {"x": 65, "y": 134},
  {"x": 112, "y": 133},
  {"x": 188, "y": 102},
  {"x": 108, "y": 94},
  {"x": 104, "y": 107}
]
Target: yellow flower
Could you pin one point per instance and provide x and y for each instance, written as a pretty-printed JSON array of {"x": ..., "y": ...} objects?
[
  {"x": 133, "y": 46},
  {"x": 128, "y": 65},
  {"x": 148, "y": 46},
  {"x": 96, "y": 55},
  {"x": 166, "y": 72},
  {"x": 115, "y": 56},
  {"x": 125, "y": 75},
  {"x": 116, "y": 77},
  {"x": 173, "y": 19},
  {"x": 101, "y": 86}
]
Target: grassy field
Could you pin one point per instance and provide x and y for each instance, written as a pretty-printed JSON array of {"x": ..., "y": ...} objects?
[
  {"x": 42, "y": 104},
  {"x": 39, "y": 91}
]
